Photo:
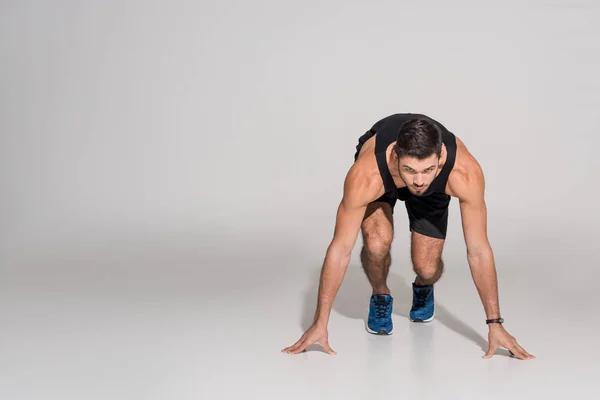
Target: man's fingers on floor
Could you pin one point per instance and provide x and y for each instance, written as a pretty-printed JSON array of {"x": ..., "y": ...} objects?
[
  {"x": 300, "y": 348},
  {"x": 526, "y": 355},
  {"x": 328, "y": 349},
  {"x": 522, "y": 353},
  {"x": 292, "y": 347},
  {"x": 490, "y": 352},
  {"x": 514, "y": 349}
]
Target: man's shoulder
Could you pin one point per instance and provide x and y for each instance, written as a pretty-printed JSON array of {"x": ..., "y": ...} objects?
[
  {"x": 466, "y": 177},
  {"x": 363, "y": 183}
]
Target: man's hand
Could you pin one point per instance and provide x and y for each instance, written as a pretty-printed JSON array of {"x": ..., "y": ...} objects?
[
  {"x": 499, "y": 337},
  {"x": 316, "y": 334}
]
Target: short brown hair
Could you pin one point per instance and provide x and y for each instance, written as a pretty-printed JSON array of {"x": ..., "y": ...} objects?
[{"x": 419, "y": 138}]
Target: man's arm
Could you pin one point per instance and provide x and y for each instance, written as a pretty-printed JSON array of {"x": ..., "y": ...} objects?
[
  {"x": 357, "y": 191},
  {"x": 470, "y": 189},
  {"x": 349, "y": 217}
]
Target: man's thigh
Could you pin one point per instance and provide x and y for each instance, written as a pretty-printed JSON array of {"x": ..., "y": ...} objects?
[
  {"x": 426, "y": 250},
  {"x": 378, "y": 223}
]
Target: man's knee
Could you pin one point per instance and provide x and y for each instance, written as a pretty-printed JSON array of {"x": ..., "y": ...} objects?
[
  {"x": 377, "y": 241},
  {"x": 377, "y": 231},
  {"x": 429, "y": 269},
  {"x": 376, "y": 244},
  {"x": 426, "y": 255}
]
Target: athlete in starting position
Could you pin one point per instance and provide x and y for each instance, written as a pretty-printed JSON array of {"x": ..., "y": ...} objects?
[{"x": 413, "y": 158}]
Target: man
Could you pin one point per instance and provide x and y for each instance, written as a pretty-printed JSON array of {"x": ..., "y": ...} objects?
[{"x": 413, "y": 158}]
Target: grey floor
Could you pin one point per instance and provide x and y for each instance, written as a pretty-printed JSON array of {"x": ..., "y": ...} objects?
[{"x": 197, "y": 316}]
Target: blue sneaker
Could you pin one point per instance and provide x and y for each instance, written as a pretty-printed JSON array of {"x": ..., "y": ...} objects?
[
  {"x": 422, "y": 307},
  {"x": 380, "y": 315}
]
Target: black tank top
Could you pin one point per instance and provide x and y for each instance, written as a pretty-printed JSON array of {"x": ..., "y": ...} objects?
[{"x": 386, "y": 132}]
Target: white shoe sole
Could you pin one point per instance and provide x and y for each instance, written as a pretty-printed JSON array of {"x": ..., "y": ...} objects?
[
  {"x": 424, "y": 320},
  {"x": 382, "y": 333}
]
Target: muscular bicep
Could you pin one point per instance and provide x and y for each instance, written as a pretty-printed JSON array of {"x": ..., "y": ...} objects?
[
  {"x": 351, "y": 211},
  {"x": 474, "y": 223},
  {"x": 347, "y": 225},
  {"x": 470, "y": 190}
]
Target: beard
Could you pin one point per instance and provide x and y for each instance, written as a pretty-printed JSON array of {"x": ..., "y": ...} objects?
[
  {"x": 420, "y": 192},
  {"x": 413, "y": 190}
]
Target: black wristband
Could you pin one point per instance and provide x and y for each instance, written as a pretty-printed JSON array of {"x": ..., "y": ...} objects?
[{"x": 494, "y": 321}]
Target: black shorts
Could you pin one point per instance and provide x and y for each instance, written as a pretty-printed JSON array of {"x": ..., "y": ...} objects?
[{"x": 427, "y": 215}]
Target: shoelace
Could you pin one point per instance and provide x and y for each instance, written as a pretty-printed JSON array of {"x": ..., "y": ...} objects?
[
  {"x": 382, "y": 309},
  {"x": 421, "y": 299}
]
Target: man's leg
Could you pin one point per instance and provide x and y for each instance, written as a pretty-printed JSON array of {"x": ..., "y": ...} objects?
[
  {"x": 426, "y": 255},
  {"x": 428, "y": 216},
  {"x": 377, "y": 232}
]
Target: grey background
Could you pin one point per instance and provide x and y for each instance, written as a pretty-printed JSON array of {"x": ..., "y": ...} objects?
[{"x": 170, "y": 173}]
